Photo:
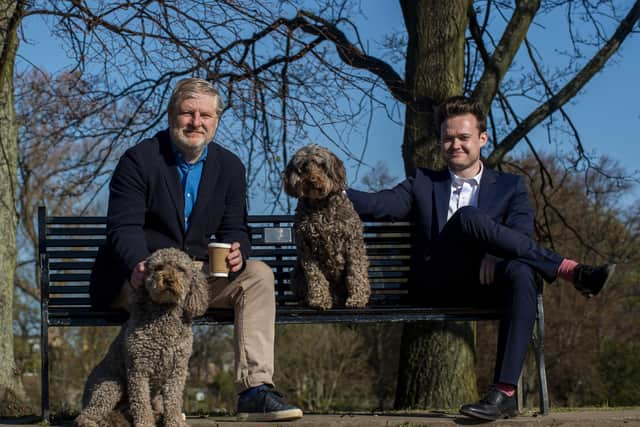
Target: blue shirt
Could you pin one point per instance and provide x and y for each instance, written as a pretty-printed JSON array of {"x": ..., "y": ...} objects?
[{"x": 190, "y": 174}]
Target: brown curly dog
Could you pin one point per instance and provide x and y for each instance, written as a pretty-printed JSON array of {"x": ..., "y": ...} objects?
[
  {"x": 148, "y": 360},
  {"x": 332, "y": 262}
]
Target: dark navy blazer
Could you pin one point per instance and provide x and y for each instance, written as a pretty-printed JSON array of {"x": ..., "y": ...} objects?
[
  {"x": 146, "y": 211},
  {"x": 424, "y": 197}
]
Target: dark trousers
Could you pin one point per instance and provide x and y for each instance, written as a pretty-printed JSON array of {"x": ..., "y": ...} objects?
[{"x": 453, "y": 273}]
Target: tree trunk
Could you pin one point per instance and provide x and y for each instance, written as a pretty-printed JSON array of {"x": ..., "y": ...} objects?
[
  {"x": 12, "y": 396},
  {"x": 437, "y": 366}
]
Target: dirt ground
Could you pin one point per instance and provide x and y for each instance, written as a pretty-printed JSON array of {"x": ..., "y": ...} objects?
[{"x": 581, "y": 418}]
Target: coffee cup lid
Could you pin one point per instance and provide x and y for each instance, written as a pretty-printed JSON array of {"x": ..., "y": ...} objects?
[{"x": 219, "y": 245}]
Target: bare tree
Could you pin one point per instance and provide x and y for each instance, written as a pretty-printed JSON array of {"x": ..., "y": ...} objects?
[
  {"x": 12, "y": 395},
  {"x": 378, "y": 178},
  {"x": 327, "y": 371},
  {"x": 296, "y": 71},
  {"x": 65, "y": 153}
]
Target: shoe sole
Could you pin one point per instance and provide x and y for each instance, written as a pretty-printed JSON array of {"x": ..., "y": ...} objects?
[
  {"x": 486, "y": 417},
  {"x": 288, "y": 415},
  {"x": 610, "y": 270}
]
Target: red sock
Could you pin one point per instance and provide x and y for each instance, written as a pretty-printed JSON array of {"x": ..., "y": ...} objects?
[
  {"x": 507, "y": 389},
  {"x": 565, "y": 271}
]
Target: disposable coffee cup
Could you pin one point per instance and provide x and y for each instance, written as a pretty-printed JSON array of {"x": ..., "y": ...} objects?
[{"x": 218, "y": 259}]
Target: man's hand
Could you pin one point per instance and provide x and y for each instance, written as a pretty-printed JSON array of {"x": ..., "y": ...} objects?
[
  {"x": 234, "y": 259},
  {"x": 137, "y": 275},
  {"x": 488, "y": 269}
]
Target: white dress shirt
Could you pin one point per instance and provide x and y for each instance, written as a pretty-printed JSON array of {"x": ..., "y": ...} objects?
[{"x": 464, "y": 191}]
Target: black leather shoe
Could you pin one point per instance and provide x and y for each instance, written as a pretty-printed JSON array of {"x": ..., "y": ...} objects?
[
  {"x": 590, "y": 280},
  {"x": 493, "y": 406}
]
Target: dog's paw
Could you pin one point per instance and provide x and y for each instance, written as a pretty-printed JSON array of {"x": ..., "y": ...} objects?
[
  {"x": 84, "y": 421},
  {"x": 355, "y": 303},
  {"x": 319, "y": 305},
  {"x": 176, "y": 423}
]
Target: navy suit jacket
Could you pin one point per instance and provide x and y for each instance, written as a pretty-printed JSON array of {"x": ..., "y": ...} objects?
[
  {"x": 146, "y": 211},
  {"x": 424, "y": 197}
]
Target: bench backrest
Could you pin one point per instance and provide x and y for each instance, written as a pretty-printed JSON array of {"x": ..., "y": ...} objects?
[{"x": 68, "y": 247}]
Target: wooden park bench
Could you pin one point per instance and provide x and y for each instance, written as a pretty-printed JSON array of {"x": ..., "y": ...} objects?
[{"x": 68, "y": 246}]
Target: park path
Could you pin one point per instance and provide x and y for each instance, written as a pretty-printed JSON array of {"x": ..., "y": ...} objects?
[{"x": 583, "y": 418}]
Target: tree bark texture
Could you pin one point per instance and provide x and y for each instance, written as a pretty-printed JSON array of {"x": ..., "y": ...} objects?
[
  {"x": 12, "y": 395},
  {"x": 434, "y": 71},
  {"x": 436, "y": 358},
  {"x": 437, "y": 366}
]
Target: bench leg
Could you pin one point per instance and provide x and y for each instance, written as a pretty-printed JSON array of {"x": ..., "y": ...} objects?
[
  {"x": 519, "y": 395},
  {"x": 44, "y": 374},
  {"x": 538, "y": 345}
]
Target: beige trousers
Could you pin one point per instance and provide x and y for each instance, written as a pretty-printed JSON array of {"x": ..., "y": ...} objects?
[{"x": 252, "y": 297}]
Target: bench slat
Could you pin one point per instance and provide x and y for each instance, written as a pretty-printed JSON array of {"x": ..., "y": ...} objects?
[
  {"x": 285, "y": 315},
  {"x": 76, "y": 220},
  {"x": 387, "y": 227},
  {"x": 71, "y": 265},
  {"x": 69, "y": 277},
  {"x": 78, "y": 302},
  {"x": 74, "y": 243},
  {"x": 269, "y": 219},
  {"x": 68, "y": 289},
  {"x": 82, "y": 300},
  {"x": 71, "y": 254},
  {"x": 268, "y": 253},
  {"x": 82, "y": 288},
  {"x": 278, "y": 263},
  {"x": 393, "y": 240},
  {"x": 77, "y": 231},
  {"x": 374, "y": 275}
]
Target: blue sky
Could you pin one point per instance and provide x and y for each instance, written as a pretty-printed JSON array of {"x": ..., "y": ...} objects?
[{"x": 606, "y": 112}]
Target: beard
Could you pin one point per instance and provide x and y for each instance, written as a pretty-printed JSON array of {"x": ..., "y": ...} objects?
[{"x": 188, "y": 147}]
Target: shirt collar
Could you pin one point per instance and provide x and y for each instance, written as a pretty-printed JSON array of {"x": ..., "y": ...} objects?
[
  {"x": 473, "y": 180},
  {"x": 180, "y": 156}
]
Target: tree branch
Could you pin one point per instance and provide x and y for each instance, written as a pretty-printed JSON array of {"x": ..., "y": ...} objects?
[
  {"x": 476, "y": 33},
  {"x": 354, "y": 57},
  {"x": 23, "y": 285},
  {"x": 11, "y": 40},
  {"x": 496, "y": 67},
  {"x": 571, "y": 88}
]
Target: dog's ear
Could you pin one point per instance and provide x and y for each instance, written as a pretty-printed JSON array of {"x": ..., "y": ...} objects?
[
  {"x": 291, "y": 179},
  {"x": 337, "y": 173},
  {"x": 197, "y": 300}
]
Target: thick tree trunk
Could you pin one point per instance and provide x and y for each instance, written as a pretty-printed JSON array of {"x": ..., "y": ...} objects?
[
  {"x": 437, "y": 359},
  {"x": 437, "y": 366},
  {"x": 434, "y": 71},
  {"x": 12, "y": 395}
]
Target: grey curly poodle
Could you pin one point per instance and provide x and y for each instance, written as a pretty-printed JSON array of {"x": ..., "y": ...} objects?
[
  {"x": 332, "y": 265},
  {"x": 142, "y": 376}
]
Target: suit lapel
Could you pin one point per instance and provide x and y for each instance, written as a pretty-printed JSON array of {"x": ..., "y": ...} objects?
[
  {"x": 487, "y": 189},
  {"x": 442, "y": 194},
  {"x": 208, "y": 183},
  {"x": 172, "y": 179}
]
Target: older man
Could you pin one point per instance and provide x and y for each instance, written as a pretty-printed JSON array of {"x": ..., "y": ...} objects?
[{"x": 177, "y": 189}]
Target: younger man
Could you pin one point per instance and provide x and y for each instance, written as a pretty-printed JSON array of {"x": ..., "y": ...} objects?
[{"x": 473, "y": 227}]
